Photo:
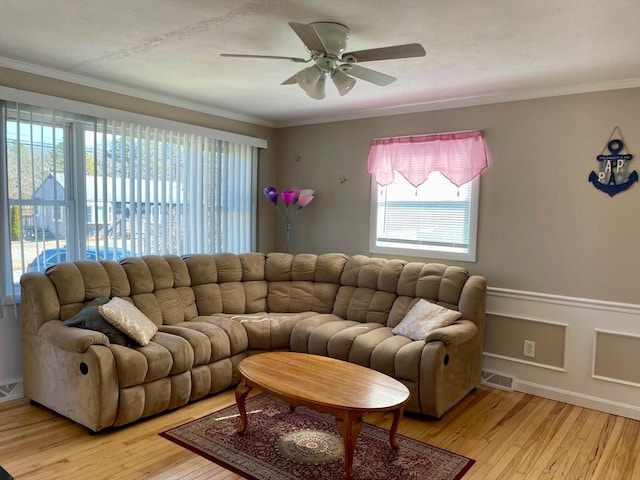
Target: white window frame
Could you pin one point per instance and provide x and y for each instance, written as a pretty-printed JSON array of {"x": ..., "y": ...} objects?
[{"x": 426, "y": 251}]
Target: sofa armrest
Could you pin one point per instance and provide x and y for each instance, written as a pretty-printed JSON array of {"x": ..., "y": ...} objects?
[
  {"x": 71, "y": 339},
  {"x": 457, "y": 333}
]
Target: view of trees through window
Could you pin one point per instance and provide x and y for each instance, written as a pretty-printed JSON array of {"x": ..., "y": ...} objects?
[{"x": 86, "y": 188}]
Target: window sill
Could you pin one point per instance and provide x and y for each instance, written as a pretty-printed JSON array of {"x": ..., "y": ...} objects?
[{"x": 425, "y": 253}]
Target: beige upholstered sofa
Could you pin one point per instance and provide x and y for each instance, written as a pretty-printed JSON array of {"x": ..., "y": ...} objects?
[{"x": 214, "y": 310}]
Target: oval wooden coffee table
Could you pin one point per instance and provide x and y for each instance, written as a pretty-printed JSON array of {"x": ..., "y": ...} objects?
[{"x": 344, "y": 390}]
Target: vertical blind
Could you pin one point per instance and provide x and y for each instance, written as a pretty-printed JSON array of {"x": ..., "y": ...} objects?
[
  {"x": 79, "y": 187},
  {"x": 159, "y": 191}
]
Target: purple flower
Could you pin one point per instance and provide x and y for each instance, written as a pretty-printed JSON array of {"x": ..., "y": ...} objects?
[{"x": 272, "y": 194}]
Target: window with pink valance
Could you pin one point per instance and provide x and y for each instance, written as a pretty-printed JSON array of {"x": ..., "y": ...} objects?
[{"x": 459, "y": 156}]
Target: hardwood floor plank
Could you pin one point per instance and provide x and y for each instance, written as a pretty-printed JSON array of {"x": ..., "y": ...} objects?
[
  {"x": 589, "y": 456},
  {"x": 630, "y": 442},
  {"x": 558, "y": 455},
  {"x": 607, "y": 463},
  {"x": 551, "y": 435},
  {"x": 537, "y": 443},
  {"x": 510, "y": 435},
  {"x": 501, "y": 446}
]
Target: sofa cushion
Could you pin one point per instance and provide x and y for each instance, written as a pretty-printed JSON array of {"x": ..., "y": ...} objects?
[
  {"x": 128, "y": 319},
  {"x": 363, "y": 304},
  {"x": 199, "y": 342},
  {"x": 423, "y": 318},
  {"x": 90, "y": 318},
  {"x": 320, "y": 337},
  {"x": 270, "y": 331},
  {"x": 301, "y": 296},
  {"x": 397, "y": 356},
  {"x": 225, "y": 340},
  {"x": 339, "y": 345}
]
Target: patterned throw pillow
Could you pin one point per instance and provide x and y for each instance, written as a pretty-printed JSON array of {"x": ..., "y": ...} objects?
[
  {"x": 126, "y": 317},
  {"x": 424, "y": 317},
  {"x": 90, "y": 318}
]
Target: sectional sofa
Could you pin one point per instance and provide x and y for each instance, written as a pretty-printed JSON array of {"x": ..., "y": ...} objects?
[{"x": 211, "y": 311}]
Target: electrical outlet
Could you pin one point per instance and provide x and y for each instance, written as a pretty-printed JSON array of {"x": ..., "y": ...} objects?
[{"x": 529, "y": 348}]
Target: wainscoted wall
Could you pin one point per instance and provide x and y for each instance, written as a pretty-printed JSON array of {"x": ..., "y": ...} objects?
[{"x": 587, "y": 351}]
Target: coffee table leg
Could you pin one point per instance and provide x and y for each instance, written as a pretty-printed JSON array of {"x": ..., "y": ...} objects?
[
  {"x": 397, "y": 414},
  {"x": 350, "y": 427},
  {"x": 242, "y": 390}
]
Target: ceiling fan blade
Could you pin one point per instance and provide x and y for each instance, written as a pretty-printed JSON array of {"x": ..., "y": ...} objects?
[
  {"x": 385, "y": 53},
  {"x": 292, "y": 59},
  {"x": 309, "y": 37},
  {"x": 369, "y": 75},
  {"x": 290, "y": 81}
]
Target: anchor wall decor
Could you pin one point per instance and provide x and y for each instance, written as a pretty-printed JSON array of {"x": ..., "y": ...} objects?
[{"x": 613, "y": 175}]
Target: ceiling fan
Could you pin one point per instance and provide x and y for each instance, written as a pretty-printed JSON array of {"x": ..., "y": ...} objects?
[{"x": 326, "y": 43}]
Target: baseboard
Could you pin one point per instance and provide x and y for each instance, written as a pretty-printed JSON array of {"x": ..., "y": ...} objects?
[
  {"x": 578, "y": 399},
  {"x": 11, "y": 391}
]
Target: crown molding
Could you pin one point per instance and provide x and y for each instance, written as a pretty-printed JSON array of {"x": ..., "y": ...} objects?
[
  {"x": 503, "y": 97},
  {"x": 130, "y": 91}
]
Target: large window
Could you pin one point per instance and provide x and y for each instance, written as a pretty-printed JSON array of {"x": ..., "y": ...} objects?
[
  {"x": 436, "y": 219},
  {"x": 79, "y": 187}
]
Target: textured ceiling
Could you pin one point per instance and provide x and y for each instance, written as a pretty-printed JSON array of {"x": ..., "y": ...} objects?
[{"x": 490, "y": 49}]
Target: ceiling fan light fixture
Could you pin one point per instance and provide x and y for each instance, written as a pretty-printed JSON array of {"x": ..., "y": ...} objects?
[
  {"x": 343, "y": 82},
  {"x": 317, "y": 92},
  {"x": 311, "y": 80}
]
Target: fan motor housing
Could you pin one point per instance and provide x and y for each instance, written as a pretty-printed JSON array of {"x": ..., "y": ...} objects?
[{"x": 333, "y": 35}]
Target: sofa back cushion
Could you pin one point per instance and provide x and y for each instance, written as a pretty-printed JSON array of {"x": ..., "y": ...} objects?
[
  {"x": 368, "y": 289},
  {"x": 380, "y": 290},
  {"x": 438, "y": 283},
  {"x": 160, "y": 288},
  {"x": 228, "y": 283},
  {"x": 302, "y": 283},
  {"x": 76, "y": 283}
]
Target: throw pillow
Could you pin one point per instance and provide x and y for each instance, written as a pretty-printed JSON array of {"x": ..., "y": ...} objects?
[
  {"x": 90, "y": 318},
  {"x": 126, "y": 317},
  {"x": 424, "y": 317}
]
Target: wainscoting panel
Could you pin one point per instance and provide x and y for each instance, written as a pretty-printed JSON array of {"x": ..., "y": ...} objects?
[
  {"x": 607, "y": 364},
  {"x": 593, "y": 372},
  {"x": 505, "y": 337}
]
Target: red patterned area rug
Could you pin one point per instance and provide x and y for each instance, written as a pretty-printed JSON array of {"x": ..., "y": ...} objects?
[{"x": 283, "y": 445}]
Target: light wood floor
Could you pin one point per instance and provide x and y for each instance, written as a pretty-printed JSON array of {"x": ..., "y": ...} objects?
[{"x": 510, "y": 435}]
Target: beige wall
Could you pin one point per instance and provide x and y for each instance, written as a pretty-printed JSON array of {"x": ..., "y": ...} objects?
[
  {"x": 57, "y": 88},
  {"x": 542, "y": 226}
]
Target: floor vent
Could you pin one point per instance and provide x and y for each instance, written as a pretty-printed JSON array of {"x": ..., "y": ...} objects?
[
  {"x": 11, "y": 391},
  {"x": 492, "y": 379}
]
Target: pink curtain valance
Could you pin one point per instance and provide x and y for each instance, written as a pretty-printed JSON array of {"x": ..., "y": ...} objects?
[{"x": 459, "y": 156}]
